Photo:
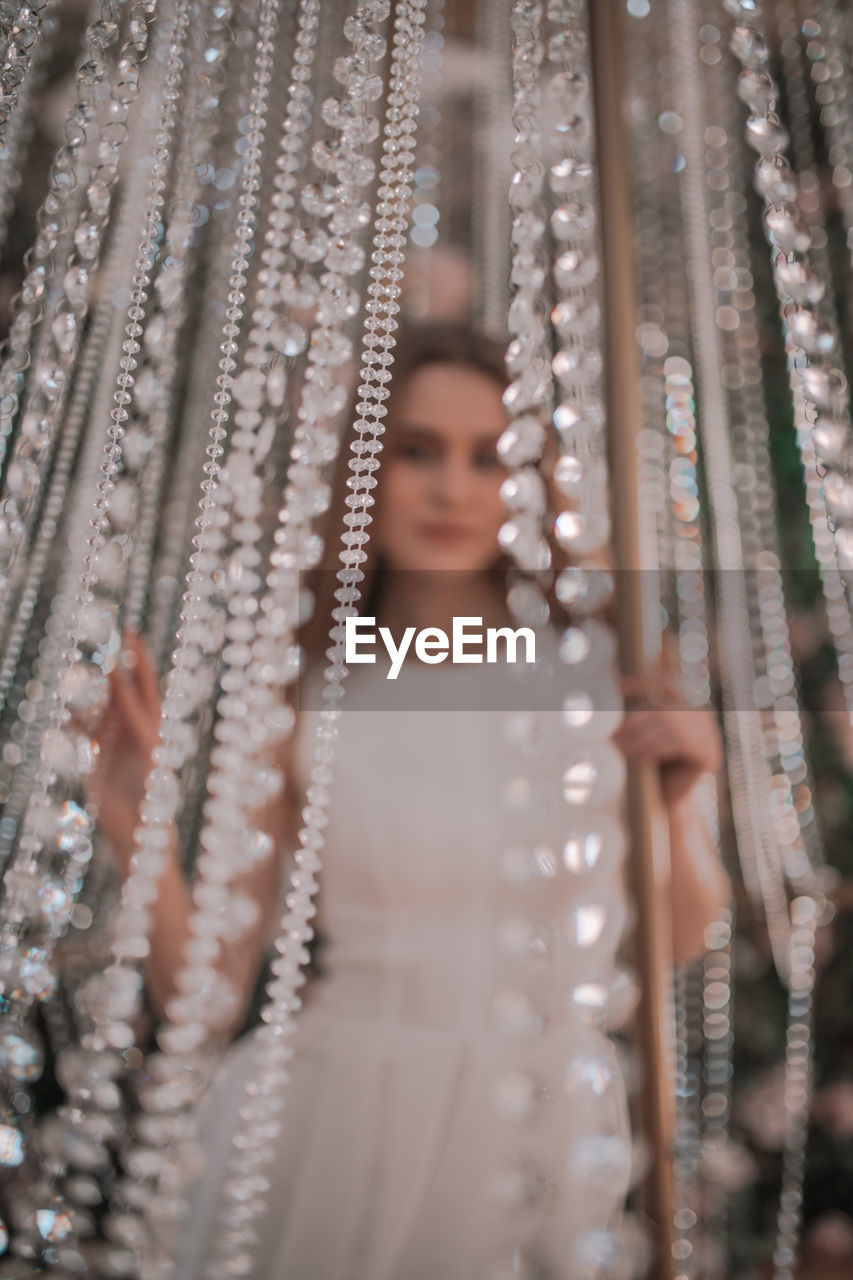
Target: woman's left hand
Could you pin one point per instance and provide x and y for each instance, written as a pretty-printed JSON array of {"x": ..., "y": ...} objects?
[{"x": 661, "y": 726}]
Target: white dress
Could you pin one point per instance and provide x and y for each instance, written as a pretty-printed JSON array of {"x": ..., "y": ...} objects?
[{"x": 427, "y": 1135}]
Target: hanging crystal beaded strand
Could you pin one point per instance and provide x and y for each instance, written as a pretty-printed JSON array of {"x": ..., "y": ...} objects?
[
  {"x": 814, "y": 374},
  {"x": 47, "y": 386},
  {"x": 791, "y": 929},
  {"x": 265, "y": 1092},
  {"x": 19, "y": 48},
  {"x": 48, "y": 867},
  {"x": 255, "y": 682}
]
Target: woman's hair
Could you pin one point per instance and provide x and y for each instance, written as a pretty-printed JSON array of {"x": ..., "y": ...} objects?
[{"x": 418, "y": 346}]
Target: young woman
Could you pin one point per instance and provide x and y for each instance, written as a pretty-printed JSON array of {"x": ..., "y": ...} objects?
[{"x": 421, "y": 1136}]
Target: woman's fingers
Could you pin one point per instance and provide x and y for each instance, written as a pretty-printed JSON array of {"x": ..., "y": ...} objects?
[
  {"x": 647, "y": 739},
  {"x": 133, "y": 711},
  {"x": 144, "y": 670},
  {"x": 652, "y": 689},
  {"x": 675, "y": 734}
]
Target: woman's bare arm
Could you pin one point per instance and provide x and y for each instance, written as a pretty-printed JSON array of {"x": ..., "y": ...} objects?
[
  {"x": 700, "y": 887},
  {"x": 686, "y": 744},
  {"x": 132, "y": 720}
]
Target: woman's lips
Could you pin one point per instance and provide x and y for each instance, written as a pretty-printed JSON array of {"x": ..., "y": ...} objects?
[{"x": 441, "y": 532}]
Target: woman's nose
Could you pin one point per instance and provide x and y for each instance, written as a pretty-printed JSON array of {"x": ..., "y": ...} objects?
[{"x": 455, "y": 482}]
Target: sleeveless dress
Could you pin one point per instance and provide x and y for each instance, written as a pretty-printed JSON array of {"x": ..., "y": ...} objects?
[{"x": 452, "y": 1107}]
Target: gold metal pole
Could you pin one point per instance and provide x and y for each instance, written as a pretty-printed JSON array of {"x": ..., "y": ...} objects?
[{"x": 647, "y": 824}]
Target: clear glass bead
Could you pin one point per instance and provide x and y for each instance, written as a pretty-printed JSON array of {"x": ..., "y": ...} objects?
[
  {"x": 573, "y": 222},
  {"x": 75, "y": 284},
  {"x": 526, "y": 186},
  {"x": 799, "y": 280},
  {"x": 309, "y": 245},
  {"x": 756, "y": 88},
  {"x": 831, "y": 438},
  {"x": 811, "y": 332},
  {"x": 64, "y": 330},
  {"x": 788, "y": 229},
  {"x": 11, "y": 1143},
  {"x": 749, "y": 46},
  {"x": 775, "y": 179},
  {"x": 524, "y": 491},
  {"x": 300, "y": 291},
  {"x": 824, "y": 385},
  {"x": 21, "y": 1054},
  {"x": 87, "y": 239},
  {"x": 766, "y": 133},
  {"x": 575, "y": 269},
  {"x": 318, "y": 198},
  {"x": 576, "y": 318},
  {"x": 344, "y": 256},
  {"x": 838, "y": 491}
]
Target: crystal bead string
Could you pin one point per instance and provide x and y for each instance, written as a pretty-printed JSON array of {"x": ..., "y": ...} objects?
[
  {"x": 518, "y": 1006},
  {"x": 17, "y": 774},
  {"x": 50, "y": 377},
  {"x": 43, "y": 1152},
  {"x": 810, "y": 342},
  {"x": 718, "y": 987},
  {"x": 31, "y": 570},
  {"x": 162, "y": 620},
  {"x": 748, "y": 772},
  {"x": 790, "y": 955},
  {"x": 26, "y": 976},
  {"x": 490, "y": 215},
  {"x": 173, "y": 535},
  {"x": 774, "y": 677},
  {"x": 240, "y": 481},
  {"x": 120, "y": 986},
  {"x": 125, "y": 576},
  {"x": 144, "y": 453},
  {"x": 784, "y": 732},
  {"x": 18, "y": 52},
  {"x": 693, "y": 648},
  {"x": 804, "y": 910},
  {"x": 527, "y": 399},
  {"x": 39, "y": 265},
  {"x": 328, "y": 348},
  {"x": 833, "y": 93},
  {"x": 583, "y": 530},
  {"x": 820, "y": 437},
  {"x": 164, "y": 606},
  {"x": 42, "y": 827},
  {"x": 816, "y": 431},
  {"x": 519, "y": 1002},
  {"x": 783, "y": 929},
  {"x": 19, "y": 130},
  {"x": 671, "y": 490},
  {"x": 265, "y": 1091},
  {"x": 301, "y": 240}
]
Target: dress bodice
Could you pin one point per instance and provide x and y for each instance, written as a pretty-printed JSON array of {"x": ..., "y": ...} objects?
[{"x": 456, "y": 849}]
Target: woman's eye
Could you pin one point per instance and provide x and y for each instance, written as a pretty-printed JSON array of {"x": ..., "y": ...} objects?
[
  {"x": 487, "y": 461},
  {"x": 415, "y": 452}
]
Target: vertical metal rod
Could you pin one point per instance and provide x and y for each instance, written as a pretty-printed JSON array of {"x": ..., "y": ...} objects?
[{"x": 645, "y": 814}]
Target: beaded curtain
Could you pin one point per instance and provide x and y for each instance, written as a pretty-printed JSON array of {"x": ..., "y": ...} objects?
[{"x": 220, "y": 258}]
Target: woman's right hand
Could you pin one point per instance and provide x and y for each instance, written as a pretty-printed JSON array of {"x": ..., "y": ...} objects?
[{"x": 128, "y": 733}]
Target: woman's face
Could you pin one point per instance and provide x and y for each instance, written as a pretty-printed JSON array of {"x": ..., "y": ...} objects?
[{"x": 439, "y": 504}]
